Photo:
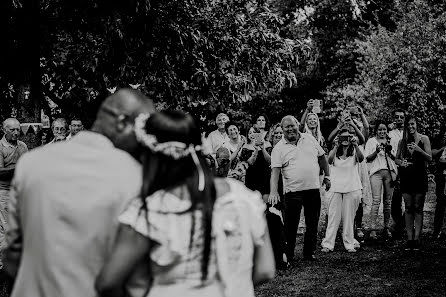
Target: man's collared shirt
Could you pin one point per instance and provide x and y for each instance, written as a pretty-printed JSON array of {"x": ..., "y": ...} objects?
[
  {"x": 395, "y": 137},
  {"x": 298, "y": 162},
  {"x": 9, "y": 155},
  {"x": 216, "y": 138}
]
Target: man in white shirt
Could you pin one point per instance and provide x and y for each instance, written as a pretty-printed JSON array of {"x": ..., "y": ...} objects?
[
  {"x": 217, "y": 137},
  {"x": 396, "y": 134},
  {"x": 75, "y": 127},
  {"x": 65, "y": 202},
  {"x": 299, "y": 157},
  {"x": 11, "y": 149}
]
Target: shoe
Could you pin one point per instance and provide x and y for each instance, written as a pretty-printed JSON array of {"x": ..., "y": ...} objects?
[
  {"x": 416, "y": 245},
  {"x": 373, "y": 235},
  {"x": 359, "y": 233},
  {"x": 326, "y": 250},
  {"x": 409, "y": 245},
  {"x": 311, "y": 258},
  {"x": 351, "y": 250}
]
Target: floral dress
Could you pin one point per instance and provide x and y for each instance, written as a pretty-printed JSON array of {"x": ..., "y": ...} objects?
[{"x": 238, "y": 225}]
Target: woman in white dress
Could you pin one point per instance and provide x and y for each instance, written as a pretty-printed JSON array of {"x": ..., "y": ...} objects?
[{"x": 200, "y": 236}]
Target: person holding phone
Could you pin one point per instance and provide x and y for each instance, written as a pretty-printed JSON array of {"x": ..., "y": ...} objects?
[
  {"x": 345, "y": 192},
  {"x": 414, "y": 151},
  {"x": 383, "y": 171},
  {"x": 258, "y": 173}
]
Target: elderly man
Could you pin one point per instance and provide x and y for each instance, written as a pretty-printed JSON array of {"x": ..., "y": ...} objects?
[
  {"x": 65, "y": 201},
  {"x": 217, "y": 137},
  {"x": 59, "y": 128},
  {"x": 11, "y": 149},
  {"x": 75, "y": 127},
  {"x": 298, "y": 156}
]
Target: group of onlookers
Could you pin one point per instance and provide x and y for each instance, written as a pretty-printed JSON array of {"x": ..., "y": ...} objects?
[
  {"x": 140, "y": 205},
  {"x": 357, "y": 168}
]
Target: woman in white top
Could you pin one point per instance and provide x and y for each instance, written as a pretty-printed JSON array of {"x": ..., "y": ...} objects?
[
  {"x": 345, "y": 192},
  {"x": 199, "y": 236},
  {"x": 382, "y": 171}
]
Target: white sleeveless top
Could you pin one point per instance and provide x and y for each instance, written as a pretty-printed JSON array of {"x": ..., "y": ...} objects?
[{"x": 345, "y": 176}]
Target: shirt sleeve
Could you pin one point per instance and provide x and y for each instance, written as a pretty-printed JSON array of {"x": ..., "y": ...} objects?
[
  {"x": 276, "y": 157},
  {"x": 13, "y": 234},
  {"x": 2, "y": 161},
  {"x": 369, "y": 147}
]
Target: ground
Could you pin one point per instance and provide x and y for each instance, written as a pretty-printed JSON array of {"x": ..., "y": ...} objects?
[{"x": 379, "y": 268}]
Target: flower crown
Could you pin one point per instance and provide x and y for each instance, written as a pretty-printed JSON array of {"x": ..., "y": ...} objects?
[{"x": 174, "y": 149}]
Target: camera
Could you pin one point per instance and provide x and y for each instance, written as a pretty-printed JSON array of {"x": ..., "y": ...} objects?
[{"x": 386, "y": 147}]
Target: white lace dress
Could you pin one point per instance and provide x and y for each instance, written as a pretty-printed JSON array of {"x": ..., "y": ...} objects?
[{"x": 238, "y": 225}]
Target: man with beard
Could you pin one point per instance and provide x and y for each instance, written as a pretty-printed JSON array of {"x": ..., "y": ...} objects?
[
  {"x": 396, "y": 134},
  {"x": 298, "y": 156}
]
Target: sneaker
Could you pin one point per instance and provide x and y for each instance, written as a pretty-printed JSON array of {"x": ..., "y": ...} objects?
[
  {"x": 351, "y": 250},
  {"x": 409, "y": 245},
  {"x": 373, "y": 235},
  {"x": 326, "y": 250},
  {"x": 416, "y": 245},
  {"x": 359, "y": 233}
]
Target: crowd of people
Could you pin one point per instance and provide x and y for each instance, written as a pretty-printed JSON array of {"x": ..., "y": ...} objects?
[
  {"x": 143, "y": 204},
  {"x": 357, "y": 168}
]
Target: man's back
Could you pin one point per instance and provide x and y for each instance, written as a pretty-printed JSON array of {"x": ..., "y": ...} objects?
[{"x": 66, "y": 198}]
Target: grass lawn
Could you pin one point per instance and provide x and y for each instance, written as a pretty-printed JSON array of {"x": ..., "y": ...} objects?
[{"x": 380, "y": 268}]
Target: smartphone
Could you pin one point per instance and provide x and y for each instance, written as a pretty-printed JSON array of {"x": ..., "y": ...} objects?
[
  {"x": 258, "y": 137},
  {"x": 317, "y": 106},
  {"x": 343, "y": 138}
]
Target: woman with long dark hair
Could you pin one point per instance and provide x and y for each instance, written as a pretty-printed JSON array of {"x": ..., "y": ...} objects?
[
  {"x": 345, "y": 192},
  {"x": 200, "y": 236},
  {"x": 414, "y": 151}
]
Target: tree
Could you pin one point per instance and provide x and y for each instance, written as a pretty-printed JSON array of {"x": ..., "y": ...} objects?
[{"x": 403, "y": 68}]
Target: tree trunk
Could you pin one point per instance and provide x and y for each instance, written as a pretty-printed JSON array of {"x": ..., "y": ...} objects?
[{"x": 27, "y": 70}]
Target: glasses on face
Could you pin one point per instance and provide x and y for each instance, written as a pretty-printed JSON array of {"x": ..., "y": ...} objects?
[
  {"x": 398, "y": 116},
  {"x": 60, "y": 129}
]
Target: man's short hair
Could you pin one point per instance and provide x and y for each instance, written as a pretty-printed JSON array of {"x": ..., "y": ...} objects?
[
  {"x": 59, "y": 120},
  {"x": 289, "y": 117},
  {"x": 221, "y": 115},
  {"x": 75, "y": 120},
  {"x": 400, "y": 110}
]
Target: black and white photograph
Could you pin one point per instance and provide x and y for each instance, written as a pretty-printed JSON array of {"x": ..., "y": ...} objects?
[{"x": 222, "y": 148}]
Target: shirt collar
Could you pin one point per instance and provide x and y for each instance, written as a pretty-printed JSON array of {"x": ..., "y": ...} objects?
[
  {"x": 92, "y": 138},
  {"x": 286, "y": 142},
  {"x": 6, "y": 143}
]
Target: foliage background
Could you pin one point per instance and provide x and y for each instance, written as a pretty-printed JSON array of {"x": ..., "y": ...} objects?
[{"x": 240, "y": 57}]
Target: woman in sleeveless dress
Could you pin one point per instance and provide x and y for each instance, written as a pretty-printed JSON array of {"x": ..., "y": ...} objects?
[
  {"x": 414, "y": 151},
  {"x": 199, "y": 236}
]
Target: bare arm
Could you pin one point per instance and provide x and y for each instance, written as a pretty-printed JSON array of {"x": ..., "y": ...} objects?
[
  {"x": 359, "y": 154},
  {"x": 274, "y": 186},
  {"x": 335, "y": 132},
  {"x": 130, "y": 248},
  {"x": 332, "y": 154},
  {"x": 365, "y": 124},
  {"x": 436, "y": 152},
  {"x": 399, "y": 160},
  {"x": 253, "y": 157},
  {"x": 264, "y": 266},
  {"x": 266, "y": 154},
  {"x": 427, "y": 153}
]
